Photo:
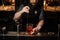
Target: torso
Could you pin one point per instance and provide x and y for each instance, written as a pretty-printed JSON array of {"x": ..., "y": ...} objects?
[{"x": 30, "y": 18}]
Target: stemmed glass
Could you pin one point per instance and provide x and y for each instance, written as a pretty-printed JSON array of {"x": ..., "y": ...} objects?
[
  {"x": 17, "y": 22},
  {"x": 3, "y": 31}
]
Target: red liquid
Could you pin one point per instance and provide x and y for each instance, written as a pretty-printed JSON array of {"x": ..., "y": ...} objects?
[{"x": 29, "y": 29}]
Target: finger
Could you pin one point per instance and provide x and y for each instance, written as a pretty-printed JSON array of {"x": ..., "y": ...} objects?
[
  {"x": 27, "y": 11},
  {"x": 27, "y": 7},
  {"x": 33, "y": 31}
]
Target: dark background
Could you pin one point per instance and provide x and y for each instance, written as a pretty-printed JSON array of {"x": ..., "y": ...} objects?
[{"x": 51, "y": 19}]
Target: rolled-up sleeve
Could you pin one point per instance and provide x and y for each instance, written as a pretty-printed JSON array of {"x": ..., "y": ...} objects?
[
  {"x": 20, "y": 7},
  {"x": 41, "y": 16}
]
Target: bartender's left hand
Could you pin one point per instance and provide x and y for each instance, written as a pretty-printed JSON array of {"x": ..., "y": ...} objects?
[{"x": 35, "y": 30}]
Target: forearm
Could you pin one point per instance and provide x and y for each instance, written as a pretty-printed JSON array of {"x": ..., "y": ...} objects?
[
  {"x": 17, "y": 15},
  {"x": 40, "y": 24}
]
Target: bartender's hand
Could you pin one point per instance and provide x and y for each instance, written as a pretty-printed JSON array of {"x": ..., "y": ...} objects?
[
  {"x": 26, "y": 9},
  {"x": 35, "y": 30}
]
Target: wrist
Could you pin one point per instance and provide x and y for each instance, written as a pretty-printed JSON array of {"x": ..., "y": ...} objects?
[{"x": 38, "y": 27}]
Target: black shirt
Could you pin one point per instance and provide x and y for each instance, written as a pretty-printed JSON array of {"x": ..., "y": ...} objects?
[{"x": 33, "y": 17}]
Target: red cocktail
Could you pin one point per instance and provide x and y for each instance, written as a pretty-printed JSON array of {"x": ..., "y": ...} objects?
[{"x": 29, "y": 28}]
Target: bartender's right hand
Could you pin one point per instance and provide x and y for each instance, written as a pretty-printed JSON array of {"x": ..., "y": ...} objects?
[{"x": 26, "y": 9}]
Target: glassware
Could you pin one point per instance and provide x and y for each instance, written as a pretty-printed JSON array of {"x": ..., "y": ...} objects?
[
  {"x": 17, "y": 27},
  {"x": 3, "y": 31},
  {"x": 29, "y": 28}
]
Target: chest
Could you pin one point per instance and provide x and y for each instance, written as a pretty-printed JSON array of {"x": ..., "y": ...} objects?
[{"x": 32, "y": 14}]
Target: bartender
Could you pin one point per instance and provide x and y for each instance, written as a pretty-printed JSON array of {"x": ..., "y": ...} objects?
[{"x": 31, "y": 13}]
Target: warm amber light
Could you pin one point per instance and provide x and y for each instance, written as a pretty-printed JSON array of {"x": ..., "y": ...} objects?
[
  {"x": 44, "y": 2},
  {"x": 13, "y": 1},
  {"x": 11, "y": 7}
]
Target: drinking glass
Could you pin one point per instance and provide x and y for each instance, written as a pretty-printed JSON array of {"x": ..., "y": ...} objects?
[{"x": 29, "y": 28}]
